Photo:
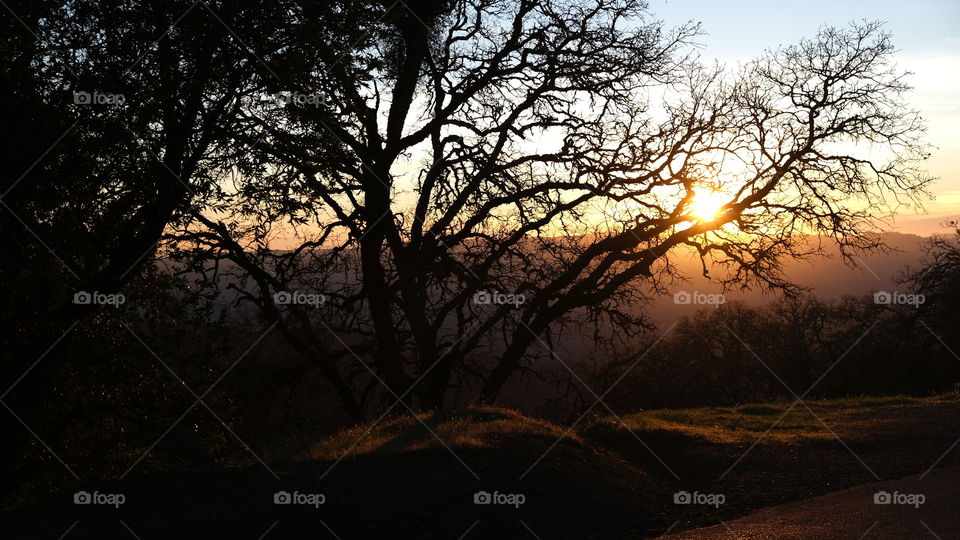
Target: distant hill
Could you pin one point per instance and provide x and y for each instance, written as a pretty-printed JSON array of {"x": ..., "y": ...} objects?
[{"x": 828, "y": 276}]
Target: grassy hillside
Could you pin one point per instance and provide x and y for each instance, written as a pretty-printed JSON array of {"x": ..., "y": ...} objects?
[
  {"x": 395, "y": 479},
  {"x": 489, "y": 427},
  {"x": 780, "y": 422},
  {"x": 484, "y": 427}
]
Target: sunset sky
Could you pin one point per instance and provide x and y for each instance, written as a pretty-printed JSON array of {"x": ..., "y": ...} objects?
[{"x": 926, "y": 33}]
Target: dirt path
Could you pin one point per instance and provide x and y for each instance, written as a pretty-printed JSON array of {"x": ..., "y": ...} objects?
[{"x": 852, "y": 514}]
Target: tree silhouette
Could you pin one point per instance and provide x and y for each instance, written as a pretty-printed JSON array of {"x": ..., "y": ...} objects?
[
  {"x": 117, "y": 122},
  {"x": 474, "y": 180}
]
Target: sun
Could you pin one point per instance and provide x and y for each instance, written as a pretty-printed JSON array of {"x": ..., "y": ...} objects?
[{"x": 706, "y": 204}]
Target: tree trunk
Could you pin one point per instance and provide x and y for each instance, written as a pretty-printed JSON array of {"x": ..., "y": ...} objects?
[
  {"x": 509, "y": 363},
  {"x": 387, "y": 355}
]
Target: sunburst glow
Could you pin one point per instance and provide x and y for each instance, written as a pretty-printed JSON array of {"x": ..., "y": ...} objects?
[{"x": 706, "y": 204}]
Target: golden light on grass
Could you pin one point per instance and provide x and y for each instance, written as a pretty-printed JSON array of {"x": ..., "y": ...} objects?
[{"x": 477, "y": 427}]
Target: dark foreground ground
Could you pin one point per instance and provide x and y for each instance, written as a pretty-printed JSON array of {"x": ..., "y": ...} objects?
[{"x": 602, "y": 481}]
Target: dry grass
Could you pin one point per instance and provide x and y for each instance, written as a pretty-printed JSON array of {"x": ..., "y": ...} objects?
[
  {"x": 774, "y": 422},
  {"x": 476, "y": 427},
  {"x": 489, "y": 427}
]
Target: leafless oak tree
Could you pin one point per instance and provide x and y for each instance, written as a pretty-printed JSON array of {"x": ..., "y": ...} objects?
[{"x": 548, "y": 150}]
